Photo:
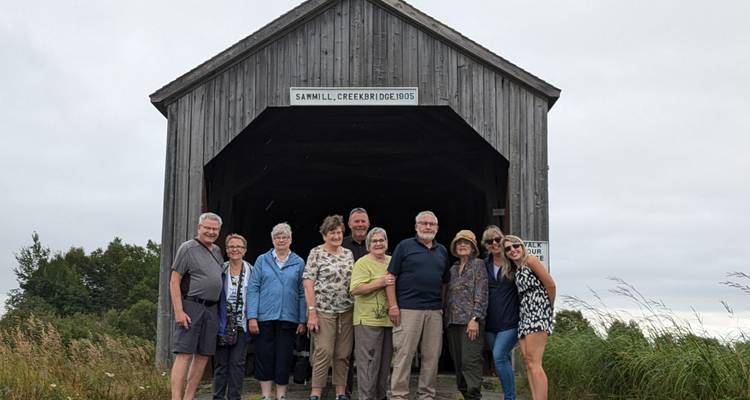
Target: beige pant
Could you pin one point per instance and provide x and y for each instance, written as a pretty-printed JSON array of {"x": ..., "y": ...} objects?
[
  {"x": 332, "y": 345},
  {"x": 421, "y": 329}
]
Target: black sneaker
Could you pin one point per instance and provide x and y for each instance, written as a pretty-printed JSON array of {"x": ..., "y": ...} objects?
[
  {"x": 313, "y": 398},
  {"x": 342, "y": 397}
]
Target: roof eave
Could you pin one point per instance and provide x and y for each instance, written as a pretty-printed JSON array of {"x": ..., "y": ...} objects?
[
  {"x": 308, "y": 9},
  {"x": 163, "y": 96}
]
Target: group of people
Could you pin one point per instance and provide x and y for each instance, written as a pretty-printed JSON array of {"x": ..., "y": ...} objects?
[{"x": 352, "y": 297}]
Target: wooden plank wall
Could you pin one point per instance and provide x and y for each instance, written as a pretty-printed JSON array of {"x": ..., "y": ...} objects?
[{"x": 354, "y": 43}]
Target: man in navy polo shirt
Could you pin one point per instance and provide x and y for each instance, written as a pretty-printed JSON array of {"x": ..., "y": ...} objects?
[{"x": 421, "y": 268}]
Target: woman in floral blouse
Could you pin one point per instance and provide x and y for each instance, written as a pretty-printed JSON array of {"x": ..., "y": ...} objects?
[{"x": 329, "y": 307}]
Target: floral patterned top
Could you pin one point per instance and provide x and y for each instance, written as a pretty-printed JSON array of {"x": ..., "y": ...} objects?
[
  {"x": 332, "y": 274},
  {"x": 467, "y": 293}
]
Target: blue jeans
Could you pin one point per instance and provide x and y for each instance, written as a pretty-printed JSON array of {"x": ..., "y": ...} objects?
[{"x": 502, "y": 344}]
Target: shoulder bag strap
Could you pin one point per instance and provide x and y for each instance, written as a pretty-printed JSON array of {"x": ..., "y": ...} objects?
[{"x": 221, "y": 262}]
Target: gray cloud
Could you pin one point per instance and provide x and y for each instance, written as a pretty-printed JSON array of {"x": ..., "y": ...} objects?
[{"x": 648, "y": 159}]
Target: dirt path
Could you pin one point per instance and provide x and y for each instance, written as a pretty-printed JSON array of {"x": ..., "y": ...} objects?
[{"x": 446, "y": 390}]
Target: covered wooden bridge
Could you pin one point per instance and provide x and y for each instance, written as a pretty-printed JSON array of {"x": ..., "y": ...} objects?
[{"x": 469, "y": 141}]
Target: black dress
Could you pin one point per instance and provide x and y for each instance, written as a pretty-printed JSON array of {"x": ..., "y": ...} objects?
[{"x": 535, "y": 307}]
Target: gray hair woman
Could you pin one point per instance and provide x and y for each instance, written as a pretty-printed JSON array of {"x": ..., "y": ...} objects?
[
  {"x": 276, "y": 311},
  {"x": 466, "y": 305},
  {"x": 329, "y": 306},
  {"x": 372, "y": 327}
]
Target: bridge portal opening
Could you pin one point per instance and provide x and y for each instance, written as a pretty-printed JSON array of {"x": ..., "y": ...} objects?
[{"x": 299, "y": 164}]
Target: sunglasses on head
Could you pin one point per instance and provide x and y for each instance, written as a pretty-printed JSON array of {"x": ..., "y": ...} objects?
[
  {"x": 496, "y": 240},
  {"x": 513, "y": 246}
]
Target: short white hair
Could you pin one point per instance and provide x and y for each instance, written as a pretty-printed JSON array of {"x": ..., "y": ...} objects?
[
  {"x": 211, "y": 216},
  {"x": 374, "y": 231},
  {"x": 281, "y": 229},
  {"x": 423, "y": 213}
]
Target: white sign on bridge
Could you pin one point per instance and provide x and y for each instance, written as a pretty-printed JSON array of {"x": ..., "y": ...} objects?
[
  {"x": 539, "y": 249},
  {"x": 353, "y": 96}
]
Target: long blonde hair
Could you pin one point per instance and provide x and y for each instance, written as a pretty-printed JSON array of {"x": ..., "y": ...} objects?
[
  {"x": 512, "y": 239},
  {"x": 507, "y": 270}
]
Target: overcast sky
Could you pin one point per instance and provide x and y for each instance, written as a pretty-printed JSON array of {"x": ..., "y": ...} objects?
[{"x": 648, "y": 144}]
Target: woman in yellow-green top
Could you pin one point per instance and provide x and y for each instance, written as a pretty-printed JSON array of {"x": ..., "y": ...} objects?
[{"x": 372, "y": 327}]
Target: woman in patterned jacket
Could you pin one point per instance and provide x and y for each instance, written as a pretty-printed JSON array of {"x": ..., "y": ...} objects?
[
  {"x": 465, "y": 311},
  {"x": 536, "y": 292},
  {"x": 329, "y": 307}
]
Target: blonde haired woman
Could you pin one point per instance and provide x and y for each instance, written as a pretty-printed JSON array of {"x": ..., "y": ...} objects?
[
  {"x": 501, "y": 326},
  {"x": 536, "y": 291}
]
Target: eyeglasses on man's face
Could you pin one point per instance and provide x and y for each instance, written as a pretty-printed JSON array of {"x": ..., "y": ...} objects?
[{"x": 427, "y": 223}]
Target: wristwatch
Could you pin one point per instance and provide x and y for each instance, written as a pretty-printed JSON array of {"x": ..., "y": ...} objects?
[
  {"x": 310, "y": 308},
  {"x": 475, "y": 319}
]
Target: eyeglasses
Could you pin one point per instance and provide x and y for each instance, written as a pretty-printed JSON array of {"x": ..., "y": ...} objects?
[
  {"x": 496, "y": 240},
  {"x": 210, "y": 228},
  {"x": 427, "y": 223},
  {"x": 236, "y": 248},
  {"x": 513, "y": 246}
]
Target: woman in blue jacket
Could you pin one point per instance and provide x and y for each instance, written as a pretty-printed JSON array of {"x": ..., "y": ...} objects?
[
  {"x": 276, "y": 311},
  {"x": 502, "y": 309}
]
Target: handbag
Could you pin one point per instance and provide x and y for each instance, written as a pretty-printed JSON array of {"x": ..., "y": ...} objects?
[
  {"x": 230, "y": 335},
  {"x": 302, "y": 370}
]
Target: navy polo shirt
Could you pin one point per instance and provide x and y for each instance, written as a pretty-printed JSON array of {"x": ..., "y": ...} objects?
[{"x": 420, "y": 274}]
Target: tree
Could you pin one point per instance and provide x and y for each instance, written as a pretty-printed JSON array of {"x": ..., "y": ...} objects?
[
  {"x": 572, "y": 322},
  {"x": 29, "y": 260},
  {"x": 117, "y": 288},
  {"x": 59, "y": 284}
]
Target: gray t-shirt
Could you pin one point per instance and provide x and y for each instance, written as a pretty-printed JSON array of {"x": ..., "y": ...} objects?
[{"x": 204, "y": 269}]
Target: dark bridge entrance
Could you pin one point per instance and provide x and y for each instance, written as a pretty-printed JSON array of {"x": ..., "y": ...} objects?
[{"x": 299, "y": 164}]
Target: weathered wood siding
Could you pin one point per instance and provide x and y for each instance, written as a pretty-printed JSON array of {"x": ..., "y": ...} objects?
[{"x": 352, "y": 43}]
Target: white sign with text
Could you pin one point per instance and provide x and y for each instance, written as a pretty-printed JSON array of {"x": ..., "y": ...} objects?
[
  {"x": 538, "y": 249},
  {"x": 353, "y": 96}
]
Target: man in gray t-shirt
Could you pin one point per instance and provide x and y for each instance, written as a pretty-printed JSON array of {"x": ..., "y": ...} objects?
[{"x": 194, "y": 287}]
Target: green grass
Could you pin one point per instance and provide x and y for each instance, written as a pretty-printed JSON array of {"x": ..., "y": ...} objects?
[
  {"x": 36, "y": 364},
  {"x": 657, "y": 357}
]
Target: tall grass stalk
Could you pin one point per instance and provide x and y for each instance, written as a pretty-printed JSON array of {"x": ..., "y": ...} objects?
[
  {"x": 652, "y": 356},
  {"x": 36, "y": 364}
]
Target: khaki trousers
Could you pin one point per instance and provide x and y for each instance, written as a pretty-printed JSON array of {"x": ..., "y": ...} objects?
[
  {"x": 421, "y": 329},
  {"x": 332, "y": 345}
]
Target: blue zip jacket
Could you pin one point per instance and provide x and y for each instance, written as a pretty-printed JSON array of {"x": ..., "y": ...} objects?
[
  {"x": 276, "y": 294},
  {"x": 502, "y": 301}
]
